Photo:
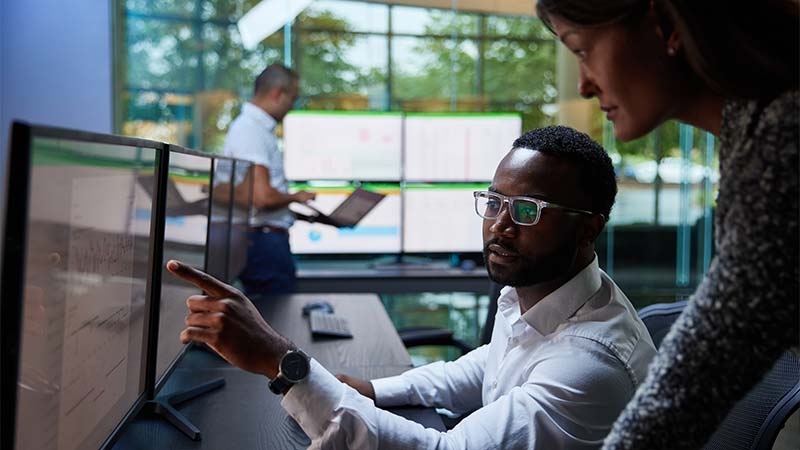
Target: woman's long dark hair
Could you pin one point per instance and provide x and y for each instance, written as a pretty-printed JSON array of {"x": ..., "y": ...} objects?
[{"x": 740, "y": 49}]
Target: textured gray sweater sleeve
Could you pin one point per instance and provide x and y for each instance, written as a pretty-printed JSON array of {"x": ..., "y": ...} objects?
[{"x": 744, "y": 314}]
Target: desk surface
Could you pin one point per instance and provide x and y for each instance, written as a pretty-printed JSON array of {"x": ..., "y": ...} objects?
[{"x": 244, "y": 413}]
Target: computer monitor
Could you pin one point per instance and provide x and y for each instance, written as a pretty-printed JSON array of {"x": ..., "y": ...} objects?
[
  {"x": 339, "y": 145},
  {"x": 219, "y": 227},
  {"x": 377, "y": 233},
  {"x": 75, "y": 276},
  {"x": 457, "y": 147},
  {"x": 441, "y": 218},
  {"x": 240, "y": 219},
  {"x": 185, "y": 237}
]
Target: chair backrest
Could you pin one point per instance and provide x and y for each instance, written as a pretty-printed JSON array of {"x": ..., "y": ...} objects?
[
  {"x": 755, "y": 421},
  {"x": 659, "y": 317}
]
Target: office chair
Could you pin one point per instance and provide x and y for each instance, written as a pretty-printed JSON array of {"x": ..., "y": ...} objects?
[
  {"x": 422, "y": 335},
  {"x": 755, "y": 421}
]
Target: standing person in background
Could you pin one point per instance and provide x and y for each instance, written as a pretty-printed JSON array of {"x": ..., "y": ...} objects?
[
  {"x": 270, "y": 267},
  {"x": 731, "y": 69}
]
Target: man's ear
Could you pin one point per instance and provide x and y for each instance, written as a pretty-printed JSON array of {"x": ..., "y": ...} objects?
[{"x": 592, "y": 228}]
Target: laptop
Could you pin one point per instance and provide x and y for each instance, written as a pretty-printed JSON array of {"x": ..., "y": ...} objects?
[
  {"x": 350, "y": 212},
  {"x": 176, "y": 205}
]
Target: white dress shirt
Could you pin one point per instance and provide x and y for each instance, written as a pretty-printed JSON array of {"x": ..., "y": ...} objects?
[
  {"x": 555, "y": 377},
  {"x": 251, "y": 137}
]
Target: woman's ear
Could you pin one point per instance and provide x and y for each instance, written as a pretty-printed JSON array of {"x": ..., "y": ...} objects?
[{"x": 665, "y": 29}]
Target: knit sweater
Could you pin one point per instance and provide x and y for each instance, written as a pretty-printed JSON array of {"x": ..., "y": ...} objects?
[{"x": 744, "y": 314}]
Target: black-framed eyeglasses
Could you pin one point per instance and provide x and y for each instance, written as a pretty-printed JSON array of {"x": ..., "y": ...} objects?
[{"x": 524, "y": 211}]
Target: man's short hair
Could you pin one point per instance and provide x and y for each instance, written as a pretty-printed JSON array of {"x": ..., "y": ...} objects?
[
  {"x": 274, "y": 76},
  {"x": 596, "y": 172}
]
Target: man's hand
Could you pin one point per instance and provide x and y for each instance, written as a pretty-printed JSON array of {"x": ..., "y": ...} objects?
[
  {"x": 228, "y": 322},
  {"x": 363, "y": 387},
  {"x": 303, "y": 196}
]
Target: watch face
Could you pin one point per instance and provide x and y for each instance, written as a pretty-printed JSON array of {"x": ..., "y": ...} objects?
[{"x": 295, "y": 366}]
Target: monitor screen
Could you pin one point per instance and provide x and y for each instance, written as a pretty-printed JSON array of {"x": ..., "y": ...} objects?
[
  {"x": 240, "y": 221},
  {"x": 76, "y": 266},
  {"x": 378, "y": 232},
  {"x": 441, "y": 218},
  {"x": 457, "y": 147},
  {"x": 219, "y": 231},
  {"x": 337, "y": 145},
  {"x": 185, "y": 231}
]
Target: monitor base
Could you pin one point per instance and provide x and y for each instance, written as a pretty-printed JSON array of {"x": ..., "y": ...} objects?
[{"x": 164, "y": 406}]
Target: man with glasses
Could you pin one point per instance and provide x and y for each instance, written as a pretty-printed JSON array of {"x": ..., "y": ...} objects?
[{"x": 567, "y": 349}]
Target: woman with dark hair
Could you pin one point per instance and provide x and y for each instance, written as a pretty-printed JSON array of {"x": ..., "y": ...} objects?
[{"x": 730, "y": 68}]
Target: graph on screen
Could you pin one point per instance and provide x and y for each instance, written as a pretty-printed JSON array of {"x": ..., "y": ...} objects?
[
  {"x": 460, "y": 147},
  {"x": 325, "y": 145}
]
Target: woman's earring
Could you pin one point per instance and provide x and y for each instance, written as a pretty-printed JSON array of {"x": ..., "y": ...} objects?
[{"x": 671, "y": 51}]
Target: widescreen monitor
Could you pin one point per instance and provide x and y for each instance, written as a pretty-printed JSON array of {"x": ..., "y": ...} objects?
[
  {"x": 441, "y": 218},
  {"x": 339, "y": 145},
  {"x": 377, "y": 233},
  {"x": 75, "y": 276},
  {"x": 185, "y": 238},
  {"x": 456, "y": 147}
]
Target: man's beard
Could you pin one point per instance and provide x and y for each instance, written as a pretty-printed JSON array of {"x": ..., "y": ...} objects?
[{"x": 527, "y": 271}]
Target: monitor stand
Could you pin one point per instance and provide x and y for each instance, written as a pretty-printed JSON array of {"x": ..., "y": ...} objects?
[{"x": 164, "y": 406}]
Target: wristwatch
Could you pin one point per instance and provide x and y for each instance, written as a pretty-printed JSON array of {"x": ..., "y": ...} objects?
[{"x": 293, "y": 368}]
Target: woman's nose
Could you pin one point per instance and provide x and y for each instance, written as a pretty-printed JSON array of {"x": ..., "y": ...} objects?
[{"x": 586, "y": 87}]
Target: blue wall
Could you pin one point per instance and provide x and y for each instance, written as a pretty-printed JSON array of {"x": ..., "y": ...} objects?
[{"x": 55, "y": 66}]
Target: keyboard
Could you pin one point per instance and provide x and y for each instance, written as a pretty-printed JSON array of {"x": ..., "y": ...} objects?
[{"x": 328, "y": 325}]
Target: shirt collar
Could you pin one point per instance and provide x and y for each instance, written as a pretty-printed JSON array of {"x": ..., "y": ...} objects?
[
  {"x": 260, "y": 115},
  {"x": 558, "y": 306}
]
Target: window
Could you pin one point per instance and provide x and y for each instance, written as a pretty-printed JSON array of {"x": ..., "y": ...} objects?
[{"x": 184, "y": 73}]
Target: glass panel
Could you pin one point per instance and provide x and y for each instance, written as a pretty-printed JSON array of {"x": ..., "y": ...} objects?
[
  {"x": 507, "y": 79},
  {"x": 508, "y": 68},
  {"x": 227, "y": 65},
  {"x": 225, "y": 10},
  {"x": 659, "y": 239},
  {"x": 436, "y": 74},
  {"x": 161, "y": 54},
  {"x": 419, "y": 21},
  {"x": 228, "y": 74},
  {"x": 517, "y": 27},
  {"x": 182, "y": 8},
  {"x": 162, "y": 116},
  {"x": 346, "y": 72},
  {"x": 345, "y": 16}
]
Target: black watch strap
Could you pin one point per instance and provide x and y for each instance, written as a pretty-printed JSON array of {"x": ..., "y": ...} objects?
[{"x": 280, "y": 385}]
